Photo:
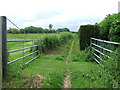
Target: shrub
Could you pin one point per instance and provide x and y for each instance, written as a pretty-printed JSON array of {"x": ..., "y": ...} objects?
[
  {"x": 110, "y": 28},
  {"x": 113, "y": 70},
  {"x": 114, "y": 34},
  {"x": 89, "y": 54}
]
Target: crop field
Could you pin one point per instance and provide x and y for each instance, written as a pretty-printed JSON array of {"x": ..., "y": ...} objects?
[{"x": 59, "y": 58}]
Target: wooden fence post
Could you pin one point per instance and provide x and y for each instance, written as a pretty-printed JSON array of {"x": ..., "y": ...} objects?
[{"x": 3, "y": 46}]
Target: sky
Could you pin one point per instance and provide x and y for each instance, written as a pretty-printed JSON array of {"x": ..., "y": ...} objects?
[{"x": 60, "y": 13}]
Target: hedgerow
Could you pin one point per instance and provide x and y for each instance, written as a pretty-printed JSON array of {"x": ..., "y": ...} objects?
[{"x": 52, "y": 42}]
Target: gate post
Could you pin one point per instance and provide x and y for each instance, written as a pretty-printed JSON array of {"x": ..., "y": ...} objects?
[{"x": 3, "y": 47}]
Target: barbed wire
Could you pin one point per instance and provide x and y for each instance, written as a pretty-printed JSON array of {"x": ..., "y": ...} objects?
[{"x": 13, "y": 23}]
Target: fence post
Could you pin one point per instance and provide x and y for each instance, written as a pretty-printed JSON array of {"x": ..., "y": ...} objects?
[{"x": 3, "y": 46}]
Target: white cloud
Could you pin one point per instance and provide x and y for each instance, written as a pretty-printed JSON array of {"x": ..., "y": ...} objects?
[{"x": 60, "y": 13}]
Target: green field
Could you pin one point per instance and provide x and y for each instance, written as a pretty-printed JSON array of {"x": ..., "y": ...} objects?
[{"x": 49, "y": 70}]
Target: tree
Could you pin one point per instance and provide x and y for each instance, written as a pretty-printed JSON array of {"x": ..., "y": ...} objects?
[
  {"x": 14, "y": 31},
  {"x": 63, "y": 30},
  {"x": 50, "y": 27}
]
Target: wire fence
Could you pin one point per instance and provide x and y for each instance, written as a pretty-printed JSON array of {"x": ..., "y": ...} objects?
[{"x": 102, "y": 48}]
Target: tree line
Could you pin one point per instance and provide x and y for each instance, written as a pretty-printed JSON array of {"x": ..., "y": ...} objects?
[{"x": 32, "y": 29}]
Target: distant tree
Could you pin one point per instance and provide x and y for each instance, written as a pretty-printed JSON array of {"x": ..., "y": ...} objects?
[
  {"x": 50, "y": 27},
  {"x": 46, "y": 30},
  {"x": 31, "y": 29},
  {"x": 63, "y": 30},
  {"x": 14, "y": 30},
  {"x": 9, "y": 30},
  {"x": 96, "y": 23},
  {"x": 53, "y": 31},
  {"x": 22, "y": 31}
]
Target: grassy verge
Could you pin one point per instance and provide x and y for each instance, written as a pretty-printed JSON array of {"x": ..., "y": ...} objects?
[
  {"x": 85, "y": 73},
  {"x": 51, "y": 67}
]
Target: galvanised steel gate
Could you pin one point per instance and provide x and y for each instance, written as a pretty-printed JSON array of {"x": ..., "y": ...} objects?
[{"x": 101, "y": 48}]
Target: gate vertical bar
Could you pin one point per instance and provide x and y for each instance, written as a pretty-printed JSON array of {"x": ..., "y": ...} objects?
[
  {"x": 32, "y": 49},
  {"x": 3, "y": 46},
  {"x": 38, "y": 46},
  {"x": 23, "y": 54}
]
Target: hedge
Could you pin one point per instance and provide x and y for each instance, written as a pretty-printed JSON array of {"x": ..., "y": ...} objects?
[
  {"x": 52, "y": 42},
  {"x": 85, "y": 33}
]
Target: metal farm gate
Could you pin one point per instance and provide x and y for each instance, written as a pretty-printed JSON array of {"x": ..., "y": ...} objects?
[{"x": 4, "y": 49}]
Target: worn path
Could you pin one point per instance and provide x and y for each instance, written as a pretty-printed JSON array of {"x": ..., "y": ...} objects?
[{"x": 67, "y": 81}]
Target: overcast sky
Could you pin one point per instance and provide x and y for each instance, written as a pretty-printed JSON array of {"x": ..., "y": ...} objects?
[{"x": 60, "y": 13}]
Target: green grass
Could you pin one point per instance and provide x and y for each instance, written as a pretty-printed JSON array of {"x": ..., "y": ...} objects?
[
  {"x": 48, "y": 43},
  {"x": 51, "y": 66},
  {"x": 84, "y": 73}
]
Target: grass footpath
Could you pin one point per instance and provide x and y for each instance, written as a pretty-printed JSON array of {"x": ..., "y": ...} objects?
[
  {"x": 46, "y": 72},
  {"x": 67, "y": 81}
]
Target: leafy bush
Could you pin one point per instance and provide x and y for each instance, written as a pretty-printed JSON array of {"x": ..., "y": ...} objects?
[
  {"x": 112, "y": 68},
  {"x": 114, "y": 34},
  {"x": 89, "y": 54},
  {"x": 110, "y": 27},
  {"x": 110, "y": 74}
]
